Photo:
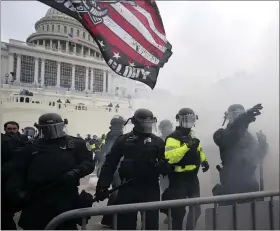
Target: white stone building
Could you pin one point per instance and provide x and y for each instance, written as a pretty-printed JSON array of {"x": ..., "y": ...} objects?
[{"x": 49, "y": 59}]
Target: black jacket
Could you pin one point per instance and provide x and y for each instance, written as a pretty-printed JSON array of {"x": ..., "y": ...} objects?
[
  {"x": 140, "y": 153},
  {"x": 240, "y": 153},
  {"x": 45, "y": 162}
]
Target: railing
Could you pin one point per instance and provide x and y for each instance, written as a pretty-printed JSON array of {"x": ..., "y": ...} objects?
[{"x": 143, "y": 207}]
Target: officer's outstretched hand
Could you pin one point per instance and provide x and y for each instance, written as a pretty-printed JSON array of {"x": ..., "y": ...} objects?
[
  {"x": 205, "y": 166},
  {"x": 101, "y": 194},
  {"x": 254, "y": 111}
]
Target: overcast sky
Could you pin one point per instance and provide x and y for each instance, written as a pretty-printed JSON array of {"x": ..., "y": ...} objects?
[{"x": 211, "y": 40}]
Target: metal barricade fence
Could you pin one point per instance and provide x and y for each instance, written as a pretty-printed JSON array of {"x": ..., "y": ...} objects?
[{"x": 272, "y": 213}]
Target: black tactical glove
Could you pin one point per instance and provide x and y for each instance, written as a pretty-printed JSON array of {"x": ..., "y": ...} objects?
[
  {"x": 101, "y": 193},
  {"x": 163, "y": 167},
  {"x": 193, "y": 143},
  {"x": 71, "y": 175},
  {"x": 205, "y": 166},
  {"x": 253, "y": 112}
]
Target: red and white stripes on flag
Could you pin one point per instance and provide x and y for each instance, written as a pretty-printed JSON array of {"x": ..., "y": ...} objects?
[
  {"x": 129, "y": 34},
  {"x": 130, "y": 27}
]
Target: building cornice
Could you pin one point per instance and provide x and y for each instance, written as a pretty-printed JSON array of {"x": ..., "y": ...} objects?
[{"x": 56, "y": 56}]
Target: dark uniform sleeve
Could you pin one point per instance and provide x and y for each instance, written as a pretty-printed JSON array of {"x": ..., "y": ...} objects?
[
  {"x": 111, "y": 163},
  {"x": 84, "y": 159},
  {"x": 228, "y": 137}
]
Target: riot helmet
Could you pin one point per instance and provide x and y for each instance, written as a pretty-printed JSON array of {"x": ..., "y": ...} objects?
[
  {"x": 165, "y": 127},
  {"x": 29, "y": 131},
  {"x": 143, "y": 121},
  {"x": 186, "y": 118},
  {"x": 234, "y": 111},
  {"x": 51, "y": 126}
]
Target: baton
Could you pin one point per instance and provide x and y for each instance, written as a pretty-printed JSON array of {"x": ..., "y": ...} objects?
[{"x": 116, "y": 188}]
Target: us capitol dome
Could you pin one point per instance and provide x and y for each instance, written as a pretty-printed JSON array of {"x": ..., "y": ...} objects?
[{"x": 61, "y": 55}]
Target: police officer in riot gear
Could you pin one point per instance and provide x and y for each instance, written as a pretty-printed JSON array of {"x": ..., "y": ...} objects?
[
  {"x": 142, "y": 155},
  {"x": 116, "y": 130},
  {"x": 184, "y": 152},
  {"x": 240, "y": 152},
  {"x": 48, "y": 174}
]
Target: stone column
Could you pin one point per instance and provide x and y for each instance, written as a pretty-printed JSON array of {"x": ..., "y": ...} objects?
[
  {"x": 74, "y": 48},
  {"x": 109, "y": 82},
  {"x": 42, "y": 72},
  {"x": 104, "y": 81},
  {"x": 44, "y": 43},
  {"x": 58, "y": 45},
  {"x": 51, "y": 45},
  {"x": 58, "y": 74},
  {"x": 37, "y": 42},
  {"x": 18, "y": 68},
  {"x": 87, "y": 71},
  {"x": 73, "y": 78},
  {"x": 82, "y": 50},
  {"x": 67, "y": 46},
  {"x": 88, "y": 52},
  {"x": 91, "y": 79},
  {"x": 11, "y": 63},
  {"x": 36, "y": 71}
]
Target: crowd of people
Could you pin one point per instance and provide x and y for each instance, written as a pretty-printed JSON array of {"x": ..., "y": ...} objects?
[{"x": 42, "y": 167}]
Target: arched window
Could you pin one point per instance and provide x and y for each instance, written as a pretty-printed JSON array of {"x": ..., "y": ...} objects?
[
  {"x": 78, "y": 33},
  {"x": 52, "y": 28},
  {"x": 58, "y": 28},
  {"x": 65, "y": 29},
  {"x": 48, "y": 27}
]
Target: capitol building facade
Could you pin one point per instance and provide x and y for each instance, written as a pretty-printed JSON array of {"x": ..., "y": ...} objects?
[{"x": 50, "y": 59}]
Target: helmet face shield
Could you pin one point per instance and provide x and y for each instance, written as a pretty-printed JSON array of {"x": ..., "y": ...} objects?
[
  {"x": 233, "y": 115},
  {"x": 146, "y": 126},
  {"x": 52, "y": 131},
  {"x": 187, "y": 121}
]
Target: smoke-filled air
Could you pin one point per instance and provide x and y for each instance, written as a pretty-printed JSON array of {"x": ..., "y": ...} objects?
[
  {"x": 114, "y": 102},
  {"x": 224, "y": 53}
]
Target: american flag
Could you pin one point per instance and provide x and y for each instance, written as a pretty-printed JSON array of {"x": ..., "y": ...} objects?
[
  {"x": 129, "y": 34},
  {"x": 72, "y": 38}
]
